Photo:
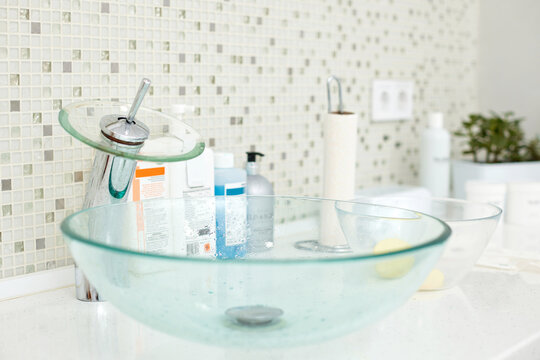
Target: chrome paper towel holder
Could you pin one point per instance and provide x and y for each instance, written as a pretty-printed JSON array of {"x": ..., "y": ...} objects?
[{"x": 339, "y": 129}]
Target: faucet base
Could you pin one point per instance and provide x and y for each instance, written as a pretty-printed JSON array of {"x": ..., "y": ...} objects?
[{"x": 84, "y": 291}]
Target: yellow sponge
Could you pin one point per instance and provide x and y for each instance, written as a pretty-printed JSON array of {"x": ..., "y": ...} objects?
[
  {"x": 397, "y": 267},
  {"x": 434, "y": 281}
]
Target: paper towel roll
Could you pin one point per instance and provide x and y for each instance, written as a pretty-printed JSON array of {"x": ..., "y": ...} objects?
[{"x": 339, "y": 176}]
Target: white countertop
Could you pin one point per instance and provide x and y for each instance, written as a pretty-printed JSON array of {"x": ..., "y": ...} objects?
[{"x": 493, "y": 314}]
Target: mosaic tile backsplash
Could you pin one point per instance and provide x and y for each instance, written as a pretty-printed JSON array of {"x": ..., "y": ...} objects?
[{"x": 254, "y": 69}]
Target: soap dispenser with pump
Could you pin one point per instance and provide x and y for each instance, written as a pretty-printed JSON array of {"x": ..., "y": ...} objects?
[{"x": 260, "y": 209}]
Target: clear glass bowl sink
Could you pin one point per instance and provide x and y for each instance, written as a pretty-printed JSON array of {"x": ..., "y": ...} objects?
[
  {"x": 141, "y": 258},
  {"x": 472, "y": 226}
]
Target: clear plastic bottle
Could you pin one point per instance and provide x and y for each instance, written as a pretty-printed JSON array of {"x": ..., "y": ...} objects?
[
  {"x": 435, "y": 157},
  {"x": 231, "y": 208},
  {"x": 260, "y": 211}
]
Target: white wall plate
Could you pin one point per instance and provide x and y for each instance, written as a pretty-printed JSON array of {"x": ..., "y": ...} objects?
[{"x": 392, "y": 100}]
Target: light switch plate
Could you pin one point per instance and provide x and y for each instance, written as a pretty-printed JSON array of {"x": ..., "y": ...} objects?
[{"x": 392, "y": 100}]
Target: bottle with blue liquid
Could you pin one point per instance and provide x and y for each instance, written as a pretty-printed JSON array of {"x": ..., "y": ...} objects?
[{"x": 231, "y": 207}]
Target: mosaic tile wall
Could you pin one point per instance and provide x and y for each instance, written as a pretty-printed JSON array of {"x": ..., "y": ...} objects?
[{"x": 255, "y": 70}]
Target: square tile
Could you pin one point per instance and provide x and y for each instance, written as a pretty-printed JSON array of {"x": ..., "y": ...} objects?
[
  {"x": 6, "y": 184},
  {"x": 14, "y": 79},
  {"x": 6, "y": 210},
  {"x": 49, "y": 217},
  {"x": 40, "y": 243},
  {"x": 14, "y": 105},
  {"x": 59, "y": 204},
  {"x": 24, "y": 14},
  {"x": 19, "y": 246},
  {"x": 78, "y": 176},
  {"x": 27, "y": 169},
  {"x": 48, "y": 155},
  {"x": 66, "y": 66},
  {"x": 47, "y": 130},
  {"x": 38, "y": 194},
  {"x": 35, "y": 28},
  {"x": 25, "y": 53}
]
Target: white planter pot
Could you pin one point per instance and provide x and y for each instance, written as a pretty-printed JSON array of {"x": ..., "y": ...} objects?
[{"x": 463, "y": 171}]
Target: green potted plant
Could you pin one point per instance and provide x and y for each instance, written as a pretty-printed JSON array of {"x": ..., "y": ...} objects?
[{"x": 498, "y": 149}]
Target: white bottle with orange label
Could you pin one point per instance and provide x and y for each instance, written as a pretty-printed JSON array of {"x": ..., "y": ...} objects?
[{"x": 174, "y": 180}]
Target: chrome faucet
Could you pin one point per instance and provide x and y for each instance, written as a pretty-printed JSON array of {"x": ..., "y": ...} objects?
[{"x": 111, "y": 176}]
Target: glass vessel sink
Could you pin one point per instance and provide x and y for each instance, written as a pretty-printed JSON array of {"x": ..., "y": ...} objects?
[
  {"x": 180, "y": 141},
  {"x": 165, "y": 263},
  {"x": 472, "y": 226}
]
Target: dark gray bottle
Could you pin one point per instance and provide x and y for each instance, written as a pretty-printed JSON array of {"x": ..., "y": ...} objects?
[{"x": 260, "y": 214}]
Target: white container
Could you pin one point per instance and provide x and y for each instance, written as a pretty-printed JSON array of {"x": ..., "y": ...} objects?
[
  {"x": 160, "y": 232},
  {"x": 435, "y": 157},
  {"x": 523, "y": 204},
  {"x": 463, "y": 171},
  {"x": 194, "y": 177},
  {"x": 228, "y": 179},
  {"x": 190, "y": 178},
  {"x": 152, "y": 180}
]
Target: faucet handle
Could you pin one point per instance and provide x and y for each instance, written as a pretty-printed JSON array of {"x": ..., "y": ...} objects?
[
  {"x": 124, "y": 130},
  {"x": 143, "y": 88}
]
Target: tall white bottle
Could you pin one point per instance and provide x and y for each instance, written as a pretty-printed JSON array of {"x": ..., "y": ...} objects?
[{"x": 435, "y": 157}]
